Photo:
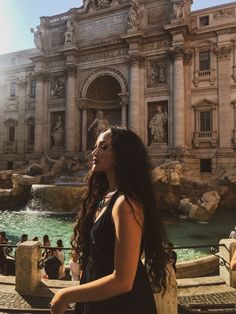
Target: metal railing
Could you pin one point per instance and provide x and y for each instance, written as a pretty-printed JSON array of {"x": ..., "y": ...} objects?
[
  {"x": 214, "y": 249},
  {"x": 8, "y": 249}
]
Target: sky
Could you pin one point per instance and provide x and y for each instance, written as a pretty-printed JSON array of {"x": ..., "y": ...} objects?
[{"x": 18, "y": 16}]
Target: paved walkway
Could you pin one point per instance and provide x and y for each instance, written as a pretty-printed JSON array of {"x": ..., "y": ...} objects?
[
  {"x": 10, "y": 298},
  {"x": 206, "y": 290}
]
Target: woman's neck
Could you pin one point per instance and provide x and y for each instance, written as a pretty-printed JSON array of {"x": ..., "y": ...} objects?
[{"x": 112, "y": 185}]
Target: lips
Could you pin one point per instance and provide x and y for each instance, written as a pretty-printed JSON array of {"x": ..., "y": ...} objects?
[{"x": 95, "y": 161}]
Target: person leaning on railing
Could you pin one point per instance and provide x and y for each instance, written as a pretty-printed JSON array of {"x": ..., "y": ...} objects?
[{"x": 233, "y": 261}]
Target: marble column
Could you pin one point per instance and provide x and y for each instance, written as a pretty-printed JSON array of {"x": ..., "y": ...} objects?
[
  {"x": 124, "y": 106},
  {"x": 39, "y": 112},
  {"x": 84, "y": 129},
  {"x": 71, "y": 109},
  {"x": 124, "y": 115},
  {"x": 179, "y": 102},
  {"x": 134, "y": 116},
  {"x": 225, "y": 110}
]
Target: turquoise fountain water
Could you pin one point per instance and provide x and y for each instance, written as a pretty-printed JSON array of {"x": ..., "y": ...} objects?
[{"x": 60, "y": 226}]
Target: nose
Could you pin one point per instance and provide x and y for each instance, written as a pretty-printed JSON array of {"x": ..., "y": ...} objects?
[{"x": 94, "y": 152}]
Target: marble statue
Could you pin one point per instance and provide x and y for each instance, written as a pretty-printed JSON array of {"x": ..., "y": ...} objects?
[
  {"x": 38, "y": 37},
  {"x": 57, "y": 132},
  {"x": 70, "y": 30},
  {"x": 157, "y": 126},
  {"x": 99, "y": 124},
  {"x": 133, "y": 16}
]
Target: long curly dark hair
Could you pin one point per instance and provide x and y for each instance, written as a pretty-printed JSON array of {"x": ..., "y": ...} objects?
[{"x": 133, "y": 177}]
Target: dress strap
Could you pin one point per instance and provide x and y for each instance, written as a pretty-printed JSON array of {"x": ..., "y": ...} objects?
[{"x": 113, "y": 200}]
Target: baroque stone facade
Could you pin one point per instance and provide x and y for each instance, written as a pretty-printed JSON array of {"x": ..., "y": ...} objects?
[{"x": 166, "y": 72}]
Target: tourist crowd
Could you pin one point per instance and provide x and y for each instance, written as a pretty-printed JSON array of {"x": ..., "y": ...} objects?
[{"x": 53, "y": 259}]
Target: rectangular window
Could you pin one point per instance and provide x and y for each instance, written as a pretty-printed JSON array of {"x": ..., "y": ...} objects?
[
  {"x": 11, "y": 137},
  {"x": 204, "y": 60},
  {"x": 31, "y": 133},
  {"x": 204, "y": 20},
  {"x": 205, "y": 121},
  {"x": 205, "y": 166},
  {"x": 10, "y": 165},
  {"x": 13, "y": 89},
  {"x": 33, "y": 88}
]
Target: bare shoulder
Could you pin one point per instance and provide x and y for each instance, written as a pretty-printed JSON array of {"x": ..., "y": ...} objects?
[{"x": 126, "y": 207}]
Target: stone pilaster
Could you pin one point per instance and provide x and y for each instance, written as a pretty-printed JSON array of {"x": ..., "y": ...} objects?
[
  {"x": 21, "y": 129},
  {"x": 179, "y": 101},
  {"x": 71, "y": 111},
  {"x": 134, "y": 116},
  {"x": 84, "y": 128},
  {"x": 225, "y": 110},
  {"x": 40, "y": 77}
]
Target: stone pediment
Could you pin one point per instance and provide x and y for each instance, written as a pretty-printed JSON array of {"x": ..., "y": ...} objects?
[{"x": 204, "y": 103}]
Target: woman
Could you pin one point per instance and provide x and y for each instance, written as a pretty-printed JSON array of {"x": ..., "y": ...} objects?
[
  {"x": 119, "y": 221},
  {"x": 61, "y": 257},
  {"x": 46, "y": 242}
]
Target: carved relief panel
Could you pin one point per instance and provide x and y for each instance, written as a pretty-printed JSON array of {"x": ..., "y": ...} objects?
[
  {"x": 157, "y": 73},
  {"x": 57, "y": 87}
]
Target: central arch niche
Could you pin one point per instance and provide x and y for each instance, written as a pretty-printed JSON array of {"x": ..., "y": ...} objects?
[{"x": 103, "y": 101}]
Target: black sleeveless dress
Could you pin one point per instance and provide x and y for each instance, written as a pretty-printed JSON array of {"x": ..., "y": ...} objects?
[{"x": 140, "y": 299}]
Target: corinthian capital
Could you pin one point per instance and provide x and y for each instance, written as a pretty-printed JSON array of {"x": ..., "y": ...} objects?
[
  {"x": 136, "y": 59},
  {"x": 181, "y": 53},
  {"x": 71, "y": 69},
  {"x": 40, "y": 76}
]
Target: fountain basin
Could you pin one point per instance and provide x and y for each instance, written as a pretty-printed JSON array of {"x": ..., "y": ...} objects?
[{"x": 198, "y": 267}]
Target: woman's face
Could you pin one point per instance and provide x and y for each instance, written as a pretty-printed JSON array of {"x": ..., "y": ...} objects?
[{"x": 103, "y": 154}]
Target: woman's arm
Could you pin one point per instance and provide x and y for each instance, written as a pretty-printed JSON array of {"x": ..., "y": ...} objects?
[
  {"x": 233, "y": 262},
  {"x": 128, "y": 232}
]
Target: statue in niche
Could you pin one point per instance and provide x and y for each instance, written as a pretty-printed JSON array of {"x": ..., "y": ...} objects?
[
  {"x": 38, "y": 37},
  {"x": 102, "y": 4},
  {"x": 98, "y": 125},
  {"x": 157, "y": 126},
  {"x": 57, "y": 88},
  {"x": 57, "y": 133},
  {"x": 70, "y": 29},
  {"x": 133, "y": 16},
  {"x": 158, "y": 73}
]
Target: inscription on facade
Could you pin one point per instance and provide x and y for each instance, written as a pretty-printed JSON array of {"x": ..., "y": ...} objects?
[
  {"x": 103, "y": 55},
  {"x": 155, "y": 45},
  {"x": 56, "y": 63},
  {"x": 110, "y": 25},
  {"x": 57, "y": 38}
]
